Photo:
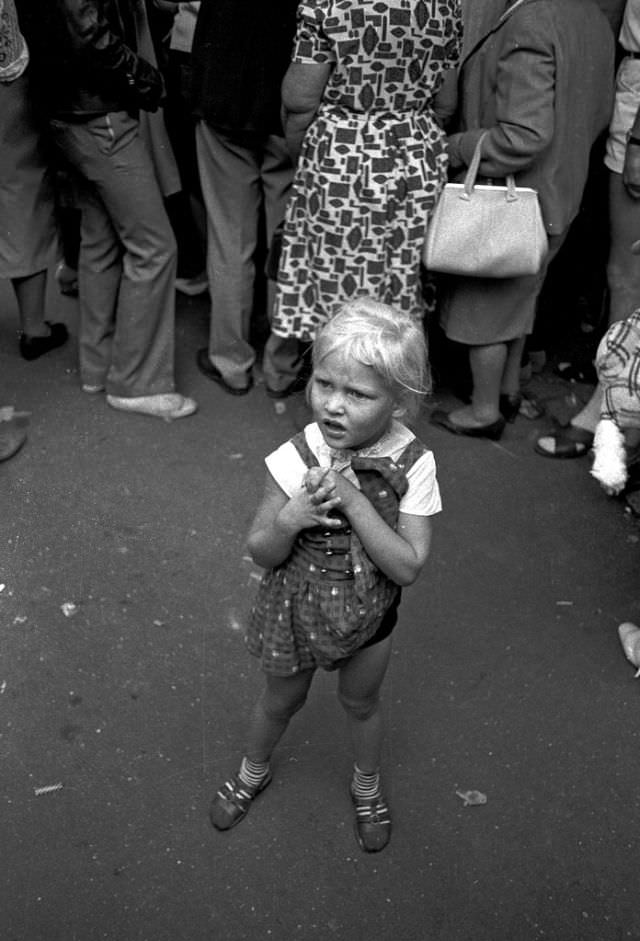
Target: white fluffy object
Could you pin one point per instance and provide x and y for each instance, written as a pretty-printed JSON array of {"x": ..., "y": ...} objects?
[{"x": 609, "y": 464}]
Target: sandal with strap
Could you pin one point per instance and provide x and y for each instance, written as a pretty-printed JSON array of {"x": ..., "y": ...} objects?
[
  {"x": 565, "y": 443},
  {"x": 373, "y": 822},
  {"x": 232, "y": 802}
]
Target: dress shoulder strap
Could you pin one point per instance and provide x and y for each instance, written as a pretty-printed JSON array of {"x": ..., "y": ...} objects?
[{"x": 299, "y": 442}]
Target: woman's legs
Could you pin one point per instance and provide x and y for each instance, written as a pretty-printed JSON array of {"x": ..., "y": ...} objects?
[
  {"x": 281, "y": 698},
  {"x": 38, "y": 336},
  {"x": 30, "y": 293},
  {"x": 511, "y": 375},
  {"x": 487, "y": 369}
]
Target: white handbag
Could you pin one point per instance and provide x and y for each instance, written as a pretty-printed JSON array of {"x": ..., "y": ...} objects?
[{"x": 485, "y": 231}]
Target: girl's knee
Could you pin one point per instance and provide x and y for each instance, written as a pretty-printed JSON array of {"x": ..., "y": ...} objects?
[
  {"x": 281, "y": 701},
  {"x": 359, "y": 708}
]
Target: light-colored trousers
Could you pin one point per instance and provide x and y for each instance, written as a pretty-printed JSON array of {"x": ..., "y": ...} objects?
[
  {"x": 127, "y": 261},
  {"x": 239, "y": 181}
]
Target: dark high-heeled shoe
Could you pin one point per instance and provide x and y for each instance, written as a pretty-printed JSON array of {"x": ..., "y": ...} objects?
[
  {"x": 493, "y": 430},
  {"x": 510, "y": 406}
]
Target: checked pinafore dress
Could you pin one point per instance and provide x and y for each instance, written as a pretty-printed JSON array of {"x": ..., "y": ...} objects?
[{"x": 328, "y": 598}]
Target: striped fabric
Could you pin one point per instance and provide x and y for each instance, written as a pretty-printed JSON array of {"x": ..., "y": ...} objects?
[{"x": 618, "y": 366}]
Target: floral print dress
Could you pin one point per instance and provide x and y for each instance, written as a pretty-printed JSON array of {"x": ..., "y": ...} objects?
[{"x": 373, "y": 160}]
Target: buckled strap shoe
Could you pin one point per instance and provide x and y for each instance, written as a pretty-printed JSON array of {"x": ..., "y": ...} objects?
[
  {"x": 373, "y": 822},
  {"x": 232, "y": 802}
]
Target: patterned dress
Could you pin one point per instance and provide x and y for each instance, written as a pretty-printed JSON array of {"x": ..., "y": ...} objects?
[
  {"x": 372, "y": 161},
  {"x": 328, "y": 599}
]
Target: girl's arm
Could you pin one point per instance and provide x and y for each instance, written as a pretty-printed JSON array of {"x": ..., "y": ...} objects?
[
  {"x": 399, "y": 554},
  {"x": 279, "y": 519}
]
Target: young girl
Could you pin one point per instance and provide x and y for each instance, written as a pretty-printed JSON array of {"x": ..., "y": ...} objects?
[{"x": 343, "y": 523}]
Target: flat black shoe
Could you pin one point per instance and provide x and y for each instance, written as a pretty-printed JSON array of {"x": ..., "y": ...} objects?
[
  {"x": 207, "y": 368},
  {"x": 493, "y": 431},
  {"x": 33, "y": 347}
]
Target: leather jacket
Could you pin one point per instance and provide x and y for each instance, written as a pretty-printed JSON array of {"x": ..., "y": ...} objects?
[{"x": 84, "y": 60}]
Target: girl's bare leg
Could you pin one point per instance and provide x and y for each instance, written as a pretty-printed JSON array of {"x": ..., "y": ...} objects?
[{"x": 281, "y": 698}]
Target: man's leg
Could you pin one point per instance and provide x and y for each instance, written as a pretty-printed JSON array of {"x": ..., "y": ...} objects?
[
  {"x": 281, "y": 359},
  {"x": 109, "y": 153},
  {"x": 230, "y": 178}
]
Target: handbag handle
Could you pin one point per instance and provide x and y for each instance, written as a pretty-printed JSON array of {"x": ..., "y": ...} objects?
[{"x": 472, "y": 173}]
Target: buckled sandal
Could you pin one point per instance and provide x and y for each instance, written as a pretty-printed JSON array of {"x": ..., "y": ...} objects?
[
  {"x": 373, "y": 822},
  {"x": 232, "y": 802},
  {"x": 564, "y": 443}
]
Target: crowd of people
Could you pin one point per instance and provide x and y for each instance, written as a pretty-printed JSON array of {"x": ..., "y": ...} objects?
[
  {"x": 192, "y": 135},
  {"x": 324, "y": 132}
]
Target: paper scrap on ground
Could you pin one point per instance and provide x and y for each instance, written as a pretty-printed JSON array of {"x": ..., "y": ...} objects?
[
  {"x": 472, "y": 798},
  {"x": 47, "y": 789}
]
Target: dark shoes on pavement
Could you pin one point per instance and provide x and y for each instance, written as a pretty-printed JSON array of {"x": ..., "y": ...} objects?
[
  {"x": 234, "y": 799},
  {"x": 232, "y": 802},
  {"x": 207, "y": 368},
  {"x": 33, "y": 347}
]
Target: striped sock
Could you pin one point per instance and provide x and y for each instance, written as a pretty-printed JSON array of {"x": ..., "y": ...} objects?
[
  {"x": 366, "y": 786},
  {"x": 253, "y": 773}
]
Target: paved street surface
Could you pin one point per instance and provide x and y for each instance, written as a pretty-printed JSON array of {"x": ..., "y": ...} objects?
[{"x": 124, "y": 687}]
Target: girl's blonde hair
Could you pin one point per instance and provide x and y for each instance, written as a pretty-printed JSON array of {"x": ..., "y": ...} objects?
[{"x": 386, "y": 339}]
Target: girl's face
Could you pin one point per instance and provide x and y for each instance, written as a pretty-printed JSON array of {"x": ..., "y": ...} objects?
[{"x": 350, "y": 402}]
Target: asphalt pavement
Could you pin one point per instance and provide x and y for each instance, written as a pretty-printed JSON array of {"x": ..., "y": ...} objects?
[{"x": 125, "y": 686}]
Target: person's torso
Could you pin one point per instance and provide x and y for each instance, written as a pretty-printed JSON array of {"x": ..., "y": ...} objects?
[{"x": 389, "y": 56}]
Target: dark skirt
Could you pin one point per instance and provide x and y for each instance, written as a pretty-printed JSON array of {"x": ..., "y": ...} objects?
[{"x": 482, "y": 311}]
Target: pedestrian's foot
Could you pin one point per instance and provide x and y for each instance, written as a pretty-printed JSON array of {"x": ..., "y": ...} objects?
[
  {"x": 462, "y": 421},
  {"x": 13, "y": 431},
  {"x": 207, "y": 368},
  {"x": 199, "y": 284},
  {"x": 565, "y": 443},
  {"x": 232, "y": 802},
  {"x": 31, "y": 347},
  {"x": 167, "y": 405},
  {"x": 373, "y": 822},
  {"x": 296, "y": 385}
]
